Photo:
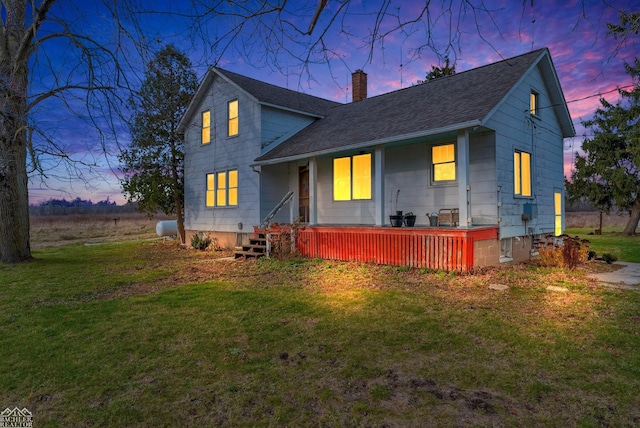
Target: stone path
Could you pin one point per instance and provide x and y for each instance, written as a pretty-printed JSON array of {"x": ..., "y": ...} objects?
[{"x": 627, "y": 278}]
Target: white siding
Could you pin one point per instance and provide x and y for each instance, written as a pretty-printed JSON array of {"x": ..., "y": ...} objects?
[
  {"x": 540, "y": 136},
  {"x": 258, "y": 191},
  {"x": 275, "y": 185},
  {"x": 223, "y": 153},
  {"x": 340, "y": 212},
  {"x": 408, "y": 169},
  {"x": 482, "y": 179},
  {"x": 280, "y": 124}
]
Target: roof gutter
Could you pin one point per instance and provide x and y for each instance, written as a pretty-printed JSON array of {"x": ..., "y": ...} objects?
[{"x": 394, "y": 139}]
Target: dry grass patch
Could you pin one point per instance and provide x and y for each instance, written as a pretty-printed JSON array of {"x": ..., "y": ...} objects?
[{"x": 57, "y": 230}]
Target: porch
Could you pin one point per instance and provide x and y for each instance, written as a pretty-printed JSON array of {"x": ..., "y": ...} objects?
[{"x": 447, "y": 248}]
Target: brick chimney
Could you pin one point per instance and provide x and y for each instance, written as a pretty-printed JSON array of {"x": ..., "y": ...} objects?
[{"x": 359, "y": 84}]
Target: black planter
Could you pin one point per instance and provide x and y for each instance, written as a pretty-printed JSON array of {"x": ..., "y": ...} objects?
[
  {"x": 396, "y": 220},
  {"x": 409, "y": 220}
]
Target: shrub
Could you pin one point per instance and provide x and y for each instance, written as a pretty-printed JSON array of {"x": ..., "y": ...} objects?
[
  {"x": 563, "y": 251},
  {"x": 609, "y": 258},
  {"x": 200, "y": 241},
  {"x": 282, "y": 239}
]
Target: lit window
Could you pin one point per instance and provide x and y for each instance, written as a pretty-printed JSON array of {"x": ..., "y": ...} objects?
[
  {"x": 352, "y": 178},
  {"x": 362, "y": 177},
  {"x": 233, "y": 187},
  {"x": 533, "y": 103},
  {"x": 222, "y": 189},
  {"x": 206, "y": 127},
  {"x": 444, "y": 162},
  {"x": 522, "y": 173},
  {"x": 233, "y": 118},
  {"x": 210, "y": 201},
  {"x": 557, "y": 202}
]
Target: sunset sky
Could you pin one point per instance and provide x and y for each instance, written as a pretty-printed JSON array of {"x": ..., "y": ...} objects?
[{"x": 588, "y": 61}]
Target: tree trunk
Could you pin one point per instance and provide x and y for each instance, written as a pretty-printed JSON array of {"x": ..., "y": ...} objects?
[
  {"x": 180, "y": 214},
  {"x": 178, "y": 189},
  {"x": 634, "y": 217},
  {"x": 14, "y": 195}
]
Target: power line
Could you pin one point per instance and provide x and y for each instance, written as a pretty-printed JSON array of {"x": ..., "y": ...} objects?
[{"x": 599, "y": 94}]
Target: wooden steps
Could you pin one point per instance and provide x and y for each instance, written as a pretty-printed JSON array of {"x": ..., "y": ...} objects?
[{"x": 257, "y": 247}]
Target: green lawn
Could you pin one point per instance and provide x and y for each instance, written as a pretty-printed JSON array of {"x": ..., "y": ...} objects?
[
  {"x": 144, "y": 334},
  {"x": 623, "y": 247}
]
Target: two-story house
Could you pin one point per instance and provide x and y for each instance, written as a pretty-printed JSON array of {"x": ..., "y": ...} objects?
[{"x": 482, "y": 148}]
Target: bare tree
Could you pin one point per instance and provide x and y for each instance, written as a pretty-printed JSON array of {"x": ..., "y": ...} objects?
[{"x": 81, "y": 57}]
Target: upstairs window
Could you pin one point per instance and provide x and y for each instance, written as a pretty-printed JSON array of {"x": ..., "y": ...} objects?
[
  {"x": 443, "y": 162},
  {"x": 521, "y": 173},
  {"x": 232, "y": 127},
  {"x": 206, "y": 127},
  {"x": 352, "y": 177},
  {"x": 533, "y": 103}
]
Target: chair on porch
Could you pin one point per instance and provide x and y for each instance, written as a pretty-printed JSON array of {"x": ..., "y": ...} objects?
[{"x": 449, "y": 216}]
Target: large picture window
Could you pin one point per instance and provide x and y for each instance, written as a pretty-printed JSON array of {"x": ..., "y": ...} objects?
[
  {"x": 352, "y": 177},
  {"x": 233, "y": 118},
  {"x": 443, "y": 160},
  {"x": 222, "y": 189},
  {"x": 521, "y": 173},
  {"x": 206, "y": 127}
]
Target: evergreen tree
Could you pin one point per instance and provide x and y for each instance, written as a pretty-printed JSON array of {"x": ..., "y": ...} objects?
[
  {"x": 153, "y": 164},
  {"x": 608, "y": 174},
  {"x": 437, "y": 72}
]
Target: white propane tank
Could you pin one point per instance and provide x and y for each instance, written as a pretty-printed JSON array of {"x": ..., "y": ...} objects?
[{"x": 167, "y": 228}]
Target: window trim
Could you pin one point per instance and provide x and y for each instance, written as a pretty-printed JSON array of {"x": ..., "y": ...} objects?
[
  {"x": 210, "y": 191},
  {"x": 213, "y": 193},
  {"x": 202, "y": 127},
  {"x": 433, "y": 180},
  {"x": 235, "y": 118},
  {"x": 534, "y": 103},
  {"x": 518, "y": 174},
  {"x": 558, "y": 217},
  {"x": 352, "y": 178},
  {"x": 506, "y": 250}
]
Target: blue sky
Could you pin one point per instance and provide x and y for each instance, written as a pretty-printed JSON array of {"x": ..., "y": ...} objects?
[{"x": 589, "y": 63}]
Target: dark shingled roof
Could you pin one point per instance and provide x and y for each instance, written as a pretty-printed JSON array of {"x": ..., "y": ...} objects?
[
  {"x": 448, "y": 101},
  {"x": 271, "y": 94}
]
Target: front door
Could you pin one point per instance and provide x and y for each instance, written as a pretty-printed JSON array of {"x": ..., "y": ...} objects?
[{"x": 303, "y": 194}]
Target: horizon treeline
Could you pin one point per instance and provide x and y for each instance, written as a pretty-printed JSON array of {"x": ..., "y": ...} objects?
[{"x": 80, "y": 206}]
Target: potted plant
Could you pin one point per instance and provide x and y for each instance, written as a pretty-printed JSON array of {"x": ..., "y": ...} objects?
[
  {"x": 396, "y": 220},
  {"x": 409, "y": 219}
]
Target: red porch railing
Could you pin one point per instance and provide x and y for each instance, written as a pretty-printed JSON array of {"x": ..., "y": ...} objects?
[{"x": 435, "y": 248}]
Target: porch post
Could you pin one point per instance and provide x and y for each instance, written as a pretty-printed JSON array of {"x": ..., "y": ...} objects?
[
  {"x": 463, "y": 177},
  {"x": 379, "y": 185},
  {"x": 313, "y": 194}
]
